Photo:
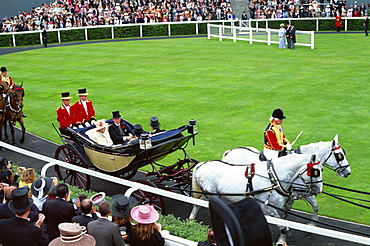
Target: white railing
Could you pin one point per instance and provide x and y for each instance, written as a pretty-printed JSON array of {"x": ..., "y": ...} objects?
[
  {"x": 113, "y": 36},
  {"x": 293, "y": 20},
  {"x": 263, "y": 35},
  {"x": 172, "y": 240}
]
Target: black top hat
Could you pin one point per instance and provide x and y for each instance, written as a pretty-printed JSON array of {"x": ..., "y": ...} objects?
[
  {"x": 122, "y": 205},
  {"x": 278, "y": 113},
  {"x": 3, "y": 69},
  {"x": 116, "y": 114},
  {"x": 154, "y": 122},
  {"x": 41, "y": 187},
  {"x": 82, "y": 92},
  {"x": 138, "y": 129},
  {"x": 20, "y": 201},
  {"x": 65, "y": 95},
  {"x": 245, "y": 221}
]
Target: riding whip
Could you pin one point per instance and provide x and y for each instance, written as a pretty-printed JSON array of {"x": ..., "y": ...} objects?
[{"x": 295, "y": 140}]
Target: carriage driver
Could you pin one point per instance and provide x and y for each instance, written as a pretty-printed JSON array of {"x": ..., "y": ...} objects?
[
  {"x": 5, "y": 77},
  {"x": 275, "y": 141}
]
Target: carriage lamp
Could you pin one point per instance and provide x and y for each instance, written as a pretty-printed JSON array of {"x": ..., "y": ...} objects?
[
  {"x": 193, "y": 127},
  {"x": 145, "y": 142}
]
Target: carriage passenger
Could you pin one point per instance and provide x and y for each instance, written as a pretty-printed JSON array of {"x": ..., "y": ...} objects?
[
  {"x": 65, "y": 112},
  {"x": 100, "y": 135},
  {"x": 275, "y": 143},
  {"x": 155, "y": 125},
  {"x": 118, "y": 131},
  {"x": 84, "y": 109}
]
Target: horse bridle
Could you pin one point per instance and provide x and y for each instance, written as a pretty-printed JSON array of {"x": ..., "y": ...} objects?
[
  {"x": 12, "y": 94},
  {"x": 338, "y": 157}
]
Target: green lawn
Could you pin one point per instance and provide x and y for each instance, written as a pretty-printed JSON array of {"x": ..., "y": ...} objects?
[{"x": 230, "y": 88}]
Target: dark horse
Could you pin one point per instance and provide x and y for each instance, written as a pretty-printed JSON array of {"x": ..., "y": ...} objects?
[
  {"x": 13, "y": 112},
  {"x": 3, "y": 89}
]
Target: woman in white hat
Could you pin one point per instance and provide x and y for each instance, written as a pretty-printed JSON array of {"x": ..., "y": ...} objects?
[
  {"x": 100, "y": 135},
  {"x": 146, "y": 232}
]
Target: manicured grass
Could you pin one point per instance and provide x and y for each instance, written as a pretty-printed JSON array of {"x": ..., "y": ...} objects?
[{"x": 230, "y": 88}]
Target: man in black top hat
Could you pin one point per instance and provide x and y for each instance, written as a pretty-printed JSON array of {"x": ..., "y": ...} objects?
[
  {"x": 18, "y": 230},
  {"x": 118, "y": 131},
  {"x": 155, "y": 125}
]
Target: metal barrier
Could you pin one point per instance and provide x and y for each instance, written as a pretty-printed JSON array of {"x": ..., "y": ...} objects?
[{"x": 298, "y": 226}]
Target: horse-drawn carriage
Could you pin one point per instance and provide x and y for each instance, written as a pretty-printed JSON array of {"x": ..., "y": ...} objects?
[{"x": 125, "y": 159}]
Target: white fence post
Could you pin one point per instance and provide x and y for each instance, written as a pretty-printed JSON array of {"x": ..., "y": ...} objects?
[
  {"x": 220, "y": 33},
  {"x": 86, "y": 36}
]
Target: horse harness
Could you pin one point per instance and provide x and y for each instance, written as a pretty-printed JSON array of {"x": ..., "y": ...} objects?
[
  {"x": 14, "y": 110},
  {"x": 275, "y": 182}
]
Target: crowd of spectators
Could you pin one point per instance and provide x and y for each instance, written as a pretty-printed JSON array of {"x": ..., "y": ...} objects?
[
  {"x": 76, "y": 13},
  {"x": 276, "y": 9}
]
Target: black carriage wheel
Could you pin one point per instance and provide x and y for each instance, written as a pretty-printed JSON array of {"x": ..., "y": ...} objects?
[
  {"x": 68, "y": 154},
  {"x": 128, "y": 175},
  {"x": 185, "y": 186},
  {"x": 144, "y": 197}
]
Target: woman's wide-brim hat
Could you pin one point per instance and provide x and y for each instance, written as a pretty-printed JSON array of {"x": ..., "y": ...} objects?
[
  {"x": 73, "y": 235},
  {"x": 122, "y": 205},
  {"x": 65, "y": 96},
  {"x": 41, "y": 187},
  {"x": 20, "y": 201},
  {"x": 97, "y": 198},
  {"x": 82, "y": 92},
  {"x": 144, "y": 214},
  {"x": 100, "y": 124}
]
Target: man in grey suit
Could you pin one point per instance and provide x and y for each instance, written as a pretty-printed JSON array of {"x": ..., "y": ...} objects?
[{"x": 104, "y": 231}]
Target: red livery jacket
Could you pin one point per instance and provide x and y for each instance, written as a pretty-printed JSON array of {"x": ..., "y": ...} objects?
[
  {"x": 65, "y": 119},
  {"x": 80, "y": 112},
  {"x": 275, "y": 138}
]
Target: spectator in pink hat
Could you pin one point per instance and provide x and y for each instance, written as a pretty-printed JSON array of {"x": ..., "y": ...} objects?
[{"x": 146, "y": 232}]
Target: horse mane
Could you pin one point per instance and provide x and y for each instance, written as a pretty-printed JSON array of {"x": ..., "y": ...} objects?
[{"x": 313, "y": 147}]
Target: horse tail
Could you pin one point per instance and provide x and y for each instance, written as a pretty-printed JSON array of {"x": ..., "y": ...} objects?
[{"x": 194, "y": 184}]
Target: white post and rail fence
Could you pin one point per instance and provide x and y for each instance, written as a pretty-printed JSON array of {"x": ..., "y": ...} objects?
[{"x": 170, "y": 239}]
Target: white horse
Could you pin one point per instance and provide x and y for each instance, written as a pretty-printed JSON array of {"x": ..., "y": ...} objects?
[
  {"x": 224, "y": 178},
  {"x": 331, "y": 153}
]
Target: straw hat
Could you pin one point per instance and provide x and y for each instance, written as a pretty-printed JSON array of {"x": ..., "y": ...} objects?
[
  {"x": 144, "y": 214},
  {"x": 73, "y": 235},
  {"x": 97, "y": 198}
]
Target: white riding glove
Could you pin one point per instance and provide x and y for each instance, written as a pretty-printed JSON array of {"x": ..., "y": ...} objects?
[
  {"x": 288, "y": 146},
  {"x": 87, "y": 124}
]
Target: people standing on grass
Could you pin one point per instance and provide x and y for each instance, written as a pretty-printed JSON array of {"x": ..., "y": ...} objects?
[
  {"x": 338, "y": 22},
  {"x": 366, "y": 24},
  {"x": 291, "y": 39},
  {"x": 282, "y": 36}
]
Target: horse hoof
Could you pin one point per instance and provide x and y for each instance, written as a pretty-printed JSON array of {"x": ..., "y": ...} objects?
[{"x": 21, "y": 141}]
